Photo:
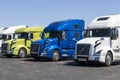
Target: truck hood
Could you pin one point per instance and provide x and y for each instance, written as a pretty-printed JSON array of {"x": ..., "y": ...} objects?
[
  {"x": 96, "y": 43},
  {"x": 15, "y": 42},
  {"x": 94, "y": 40},
  {"x": 47, "y": 41}
]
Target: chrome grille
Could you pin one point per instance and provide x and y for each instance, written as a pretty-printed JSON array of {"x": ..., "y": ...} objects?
[
  {"x": 4, "y": 46},
  {"x": 83, "y": 49},
  {"x": 34, "y": 48}
]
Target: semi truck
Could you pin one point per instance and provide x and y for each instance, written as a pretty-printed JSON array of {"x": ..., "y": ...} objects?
[
  {"x": 7, "y": 33},
  {"x": 1, "y": 30},
  {"x": 58, "y": 40},
  {"x": 101, "y": 42},
  {"x": 21, "y": 42}
]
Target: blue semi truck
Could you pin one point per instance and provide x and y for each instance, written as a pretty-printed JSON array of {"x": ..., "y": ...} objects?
[{"x": 58, "y": 40}]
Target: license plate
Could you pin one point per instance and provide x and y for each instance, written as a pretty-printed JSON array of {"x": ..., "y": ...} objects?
[{"x": 82, "y": 59}]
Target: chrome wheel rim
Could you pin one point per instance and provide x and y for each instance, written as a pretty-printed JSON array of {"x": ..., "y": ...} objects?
[
  {"x": 56, "y": 56},
  {"x": 22, "y": 53},
  {"x": 108, "y": 59}
]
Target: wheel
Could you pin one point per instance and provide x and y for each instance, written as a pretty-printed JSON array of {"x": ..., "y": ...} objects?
[
  {"x": 108, "y": 59},
  {"x": 22, "y": 53},
  {"x": 55, "y": 55},
  {"x": 9, "y": 56}
]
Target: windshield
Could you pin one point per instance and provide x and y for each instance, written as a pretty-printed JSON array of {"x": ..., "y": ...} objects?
[
  {"x": 20, "y": 35},
  {"x": 3, "y": 37},
  {"x": 50, "y": 34},
  {"x": 97, "y": 32}
]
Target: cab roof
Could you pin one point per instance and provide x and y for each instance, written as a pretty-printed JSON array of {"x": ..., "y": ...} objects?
[
  {"x": 11, "y": 29},
  {"x": 30, "y": 29},
  {"x": 71, "y": 24},
  {"x": 108, "y": 21}
]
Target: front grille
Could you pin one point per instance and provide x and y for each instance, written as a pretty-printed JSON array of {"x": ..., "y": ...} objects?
[
  {"x": 4, "y": 46},
  {"x": 83, "y": 49},
  {"x": 34, "y": 48}
]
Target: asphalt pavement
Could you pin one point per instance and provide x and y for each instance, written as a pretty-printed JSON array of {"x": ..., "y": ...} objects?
[{"x": 29, "y": 69}]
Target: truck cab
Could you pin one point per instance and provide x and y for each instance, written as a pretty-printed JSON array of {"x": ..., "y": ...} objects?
[
  {"x": 20, "y": 44},
  {"x": 58, "y": 40},
  {"x": 1, "y": 39},
  {"x": 7, "y": 33},
  {"x": 101, "y": 42}
]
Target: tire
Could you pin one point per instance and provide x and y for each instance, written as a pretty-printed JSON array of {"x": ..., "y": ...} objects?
[
  {"x": 108, "y": 59},
  {"x": 22, "y": 53},
  {"x": 55, "y": 55}
]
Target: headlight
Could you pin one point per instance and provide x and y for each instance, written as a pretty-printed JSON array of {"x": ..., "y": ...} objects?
[
  {"x": 98, "y": 53},
  {"x": 44, "y": 52}
]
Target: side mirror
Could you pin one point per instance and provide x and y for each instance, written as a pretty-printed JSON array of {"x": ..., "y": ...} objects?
[
  {"x": 30, "y": 36},
  {"x": 15, "y": 36},
  {"x": 114, "y": 34},
  {"x": 41, "y": 35},
  {"x": 62, "y": 35},
  {"x": 84, "y": 33}
]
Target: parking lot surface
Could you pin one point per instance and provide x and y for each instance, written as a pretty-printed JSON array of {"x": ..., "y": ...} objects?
[{"x": 28, "y": 69}]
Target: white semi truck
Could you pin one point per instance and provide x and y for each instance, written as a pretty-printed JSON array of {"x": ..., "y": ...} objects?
[
  {"x": 7, "y": 33},
  {"x": 101, "y": 42},
  {"x": 1, "y": 30}
]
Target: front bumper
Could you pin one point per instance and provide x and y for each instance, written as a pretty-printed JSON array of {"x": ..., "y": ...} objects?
[
  {"x": 100, "y": 59},
  {"x": 3, "y": 52}
]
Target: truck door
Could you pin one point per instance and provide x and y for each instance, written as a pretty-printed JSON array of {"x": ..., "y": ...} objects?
[
  {"x": 67, "y": 44},
  {"x": 115, "y": 38},
  {"x": 64, "y": 44},
  {"x": 64, "y": 40},
  {"x": 29, "y": 39}
]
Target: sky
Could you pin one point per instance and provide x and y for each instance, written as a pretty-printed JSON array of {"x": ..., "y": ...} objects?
[{"x": 44, "y": 12}]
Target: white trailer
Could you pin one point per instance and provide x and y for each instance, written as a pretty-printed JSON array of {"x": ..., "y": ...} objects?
[{"x": 101, "y": 42}]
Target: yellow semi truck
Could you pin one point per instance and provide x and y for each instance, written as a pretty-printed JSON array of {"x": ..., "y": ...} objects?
[{"x": 20, "y": 45}]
